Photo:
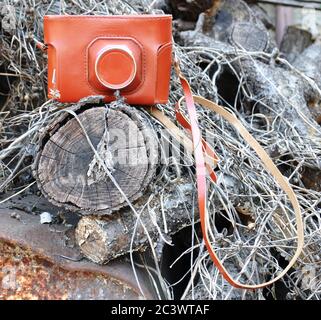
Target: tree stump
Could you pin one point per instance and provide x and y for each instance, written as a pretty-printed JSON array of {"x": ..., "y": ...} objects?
[{"x": 70, "y": 174}]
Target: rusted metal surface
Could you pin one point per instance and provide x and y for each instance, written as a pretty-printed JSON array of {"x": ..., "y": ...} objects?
[{"x": 33, "y": 265}]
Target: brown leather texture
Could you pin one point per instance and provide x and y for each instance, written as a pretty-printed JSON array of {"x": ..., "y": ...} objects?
[
  {"x": 204, "y": 155},
  {"x": 95, "y": 55}
]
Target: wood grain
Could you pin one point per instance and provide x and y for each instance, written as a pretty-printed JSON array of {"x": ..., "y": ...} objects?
[{"x": 70, "y": 175}]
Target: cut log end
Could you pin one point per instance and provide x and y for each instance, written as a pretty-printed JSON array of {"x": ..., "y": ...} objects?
[
  {"x": 249, "y": 36},
  {"x": 70, "y": 174},
  {"x": 92, "y": 239},
  {"x": 102, "y": 240}
]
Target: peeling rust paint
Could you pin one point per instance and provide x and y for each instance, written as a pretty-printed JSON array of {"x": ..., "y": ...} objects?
[
  {"x": 24, "y": 275},
  {"x": 32, "y": 267}
]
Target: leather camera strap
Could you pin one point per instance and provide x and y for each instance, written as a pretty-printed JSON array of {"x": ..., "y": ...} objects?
[{"x": 203, "y": 153}]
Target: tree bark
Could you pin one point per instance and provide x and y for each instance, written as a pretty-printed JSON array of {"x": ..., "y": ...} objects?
[{"x": 104, "y": 239}]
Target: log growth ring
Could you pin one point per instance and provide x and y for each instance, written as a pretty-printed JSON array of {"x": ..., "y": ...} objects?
[{"x": 63, "y": 162}]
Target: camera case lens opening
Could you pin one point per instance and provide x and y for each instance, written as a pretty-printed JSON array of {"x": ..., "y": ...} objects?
[
  {"x": 114, "y": 64},
  {"x": 115, "y": 67}
]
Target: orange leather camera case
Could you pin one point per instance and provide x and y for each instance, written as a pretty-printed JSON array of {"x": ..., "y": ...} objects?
[{"x": 96, "y": 55}]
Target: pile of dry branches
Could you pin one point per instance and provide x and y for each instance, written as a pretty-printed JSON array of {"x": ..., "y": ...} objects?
[{"x": 251, "y": 219}]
